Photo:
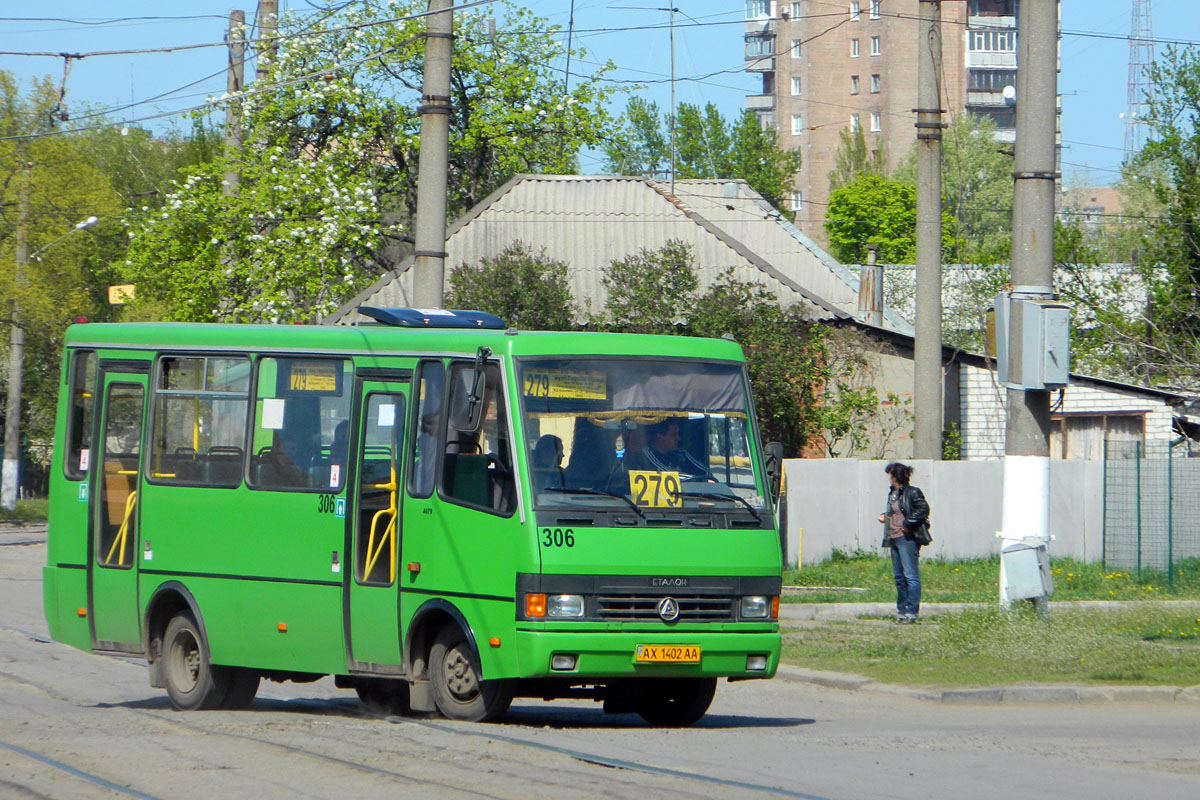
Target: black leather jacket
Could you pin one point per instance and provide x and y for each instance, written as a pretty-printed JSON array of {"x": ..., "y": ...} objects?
[{"x": 915, "y": 510}]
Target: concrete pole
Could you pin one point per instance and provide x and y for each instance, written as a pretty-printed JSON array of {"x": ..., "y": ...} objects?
[
  {"x": 1026, "y": 506},
  {"x": 234, "y": 80},
  {"x": 927, "y": 355},
  {"x": 429, "y": 267},
  {"x": 10, "y": 471},
  {"x": 268, "y": 26}
]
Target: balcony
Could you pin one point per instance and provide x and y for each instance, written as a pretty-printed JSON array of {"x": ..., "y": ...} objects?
[
  {"x": 988, "y": 58},
  {"x": 989, "y": 21},
  {"x": 760, "y": 63},
  {"x": 760, "y": 102}
]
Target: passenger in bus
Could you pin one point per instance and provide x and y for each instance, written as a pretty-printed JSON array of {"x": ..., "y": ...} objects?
[
  {"x": 593, "y": 458},
  {"x": 547, "y": 462},
  {"x": 280, "y": 469},
  {"x": 663, "y": 453}
]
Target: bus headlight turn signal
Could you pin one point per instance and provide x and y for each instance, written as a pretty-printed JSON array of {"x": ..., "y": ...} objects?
[
  {"x": 554, "y": 606},
  {"x": 564, "y": 605},
  {"x": 759, "y": 607}
]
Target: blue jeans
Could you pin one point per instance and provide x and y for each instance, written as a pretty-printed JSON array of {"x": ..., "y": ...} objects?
[{"x": 905, "y": 554}]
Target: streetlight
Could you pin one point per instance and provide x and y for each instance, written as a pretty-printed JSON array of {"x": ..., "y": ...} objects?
[
  {"x": 16, "y": 355},
  {"x": 79, "y": 226}
]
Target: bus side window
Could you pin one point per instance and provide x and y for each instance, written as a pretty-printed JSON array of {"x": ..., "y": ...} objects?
[
  {"x": 199, "y": 426},
  {"x": 300, "y": 404},
  {"x": 423, "y": 469},
  {"x": 478, "y": 467},
  {"x": 78, "y": 454}
]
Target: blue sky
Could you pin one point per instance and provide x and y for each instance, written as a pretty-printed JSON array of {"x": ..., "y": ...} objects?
[{"x": 708, "y": 39}]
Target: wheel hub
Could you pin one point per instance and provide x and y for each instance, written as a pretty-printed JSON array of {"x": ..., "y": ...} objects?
[{"x": 460, "y": 677}]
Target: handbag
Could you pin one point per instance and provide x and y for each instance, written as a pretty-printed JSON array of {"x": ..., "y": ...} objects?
[{"x": 921, "y": 535}]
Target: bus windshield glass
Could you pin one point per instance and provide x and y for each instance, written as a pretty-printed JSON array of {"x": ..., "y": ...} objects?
[{"x": 641, "y": 433}]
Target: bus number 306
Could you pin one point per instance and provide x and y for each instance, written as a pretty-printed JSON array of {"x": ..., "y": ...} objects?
[{"x": 558, "y": 537}]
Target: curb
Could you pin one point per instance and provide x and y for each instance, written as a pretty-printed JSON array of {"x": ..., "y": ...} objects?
[{"x": 1094, "y": 695}]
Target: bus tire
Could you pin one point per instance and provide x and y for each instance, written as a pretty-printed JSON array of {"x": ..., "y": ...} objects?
[
  {"x": 193, "y": 683},
  {"x": 383, "y": 696},
  {"x": 454, "y": 674},
  {"x": 243, "y": 686},
  {"x": 675, "y": 702}
]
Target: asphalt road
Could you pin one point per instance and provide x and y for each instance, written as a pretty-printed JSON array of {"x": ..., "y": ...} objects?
[{"x": 74, "y": 725}]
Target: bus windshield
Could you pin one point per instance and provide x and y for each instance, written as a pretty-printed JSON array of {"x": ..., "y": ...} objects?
[{"x": 644, "y": 433}]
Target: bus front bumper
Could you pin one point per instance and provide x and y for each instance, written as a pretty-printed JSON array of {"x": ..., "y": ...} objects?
[{"x": 612, "y": 654}]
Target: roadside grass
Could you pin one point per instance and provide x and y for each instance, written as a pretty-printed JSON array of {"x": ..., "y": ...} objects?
[
  {"x": 978, "y": 580},
  {"x": 26, "y": 511},
  {"x": 1144, "y": 645}
]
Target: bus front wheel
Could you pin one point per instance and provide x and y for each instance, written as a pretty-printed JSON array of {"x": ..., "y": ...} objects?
[
  {"x": 458, "y": 691},
  {"x": 193, "y": 683},
  {"x": 675, "y": 702}
]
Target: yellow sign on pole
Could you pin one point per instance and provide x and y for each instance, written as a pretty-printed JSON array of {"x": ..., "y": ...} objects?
[{"x": 120, "y": 294}]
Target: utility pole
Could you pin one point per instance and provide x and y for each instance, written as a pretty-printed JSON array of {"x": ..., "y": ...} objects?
[
  {"x": 927, "y": 355},
  {"x": 268, "y": 24},
  {"x": 1026, "y": 505},
  {"x": 10, "y": 474},
  {"x": 429, "y": 263},
  {"x": 234, "y": 80},
  {"x": 671, "y": 25}
]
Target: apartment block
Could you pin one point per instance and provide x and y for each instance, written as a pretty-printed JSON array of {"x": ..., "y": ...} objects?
[{"x": 833, "y": 65}]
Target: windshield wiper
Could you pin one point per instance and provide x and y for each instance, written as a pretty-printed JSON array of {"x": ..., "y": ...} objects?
[
  {"x": 599, "y": 492},
  {"x": 715, "y": 496}
]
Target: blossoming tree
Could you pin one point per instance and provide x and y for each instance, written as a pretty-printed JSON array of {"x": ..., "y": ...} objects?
[{"x": 328, "y": 162}]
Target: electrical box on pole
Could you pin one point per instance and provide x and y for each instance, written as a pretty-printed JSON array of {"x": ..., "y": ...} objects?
[{"x": 1040, "y": 358}]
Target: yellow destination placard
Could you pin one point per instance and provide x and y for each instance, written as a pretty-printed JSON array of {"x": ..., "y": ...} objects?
[
  {"x": 313, "y": 376},
  {"x": 655, "y": 489},
  {"x": 566, "y": 384}
]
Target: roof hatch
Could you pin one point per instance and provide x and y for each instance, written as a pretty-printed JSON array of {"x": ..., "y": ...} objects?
[{"x": 432, "y": 318}]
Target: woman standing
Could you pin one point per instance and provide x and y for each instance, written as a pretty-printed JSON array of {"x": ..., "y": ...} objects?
[{"x": 906, "y": 512}]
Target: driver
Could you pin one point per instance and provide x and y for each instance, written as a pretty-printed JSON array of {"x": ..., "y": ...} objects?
[{"x": 662, "y": 453}]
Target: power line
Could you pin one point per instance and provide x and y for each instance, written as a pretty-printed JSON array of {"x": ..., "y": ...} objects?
[
  {"x": 238, "y": 97},
  {"x": 270, "y": 40}
]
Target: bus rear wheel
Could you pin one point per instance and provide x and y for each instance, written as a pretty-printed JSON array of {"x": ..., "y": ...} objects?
[
  {"x": 454, "y": 674},
  {"x": 675, "y": 702},
  {"x": 193, "y": 682}
]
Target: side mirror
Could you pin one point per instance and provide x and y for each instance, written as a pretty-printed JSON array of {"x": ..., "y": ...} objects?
[
  {"x": 478, "y": 393},
  {"x": 774, "y": 459}
]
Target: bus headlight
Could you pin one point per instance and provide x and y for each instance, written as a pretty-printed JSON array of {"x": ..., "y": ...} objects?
[
  {"x": 564, "y": 605},
  {"x": 755, "y": 607}
]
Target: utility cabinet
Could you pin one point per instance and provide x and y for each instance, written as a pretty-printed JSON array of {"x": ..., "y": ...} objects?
[{"x": 1040, "y": 358}]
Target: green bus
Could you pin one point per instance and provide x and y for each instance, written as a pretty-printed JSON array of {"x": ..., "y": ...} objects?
[{"x": 439, "y": 512}]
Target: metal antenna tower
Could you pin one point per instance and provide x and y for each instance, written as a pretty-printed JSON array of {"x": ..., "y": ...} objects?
[{"x": 1141, "y": 56}]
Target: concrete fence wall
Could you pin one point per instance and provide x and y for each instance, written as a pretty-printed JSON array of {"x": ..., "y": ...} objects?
[{"x": 835, "y": 503}]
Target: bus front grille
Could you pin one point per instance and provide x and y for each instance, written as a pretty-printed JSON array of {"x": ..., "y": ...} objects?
[{"x": 692, "y": 608}]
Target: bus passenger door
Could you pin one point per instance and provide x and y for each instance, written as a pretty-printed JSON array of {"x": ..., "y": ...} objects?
[
  {"x": 114, "y": 542},
  {"x": 373, "y": 623}
]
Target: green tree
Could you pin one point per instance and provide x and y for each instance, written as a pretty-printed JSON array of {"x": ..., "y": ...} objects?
[
  {"x": 794, "y": 379},
  {"x": 638, "y": 145},
  {"x": 1169, "y": 262},
  {"x": 525, "y": 288},
  {"x": 977, "y": 189},
  {"x": 61, "y": 187},
  {"x": 853, "y": 158},
  {"x": 651, "y": 291},
  {"x": 328, "y": 168},
  {"x": 707, "y": 146}
]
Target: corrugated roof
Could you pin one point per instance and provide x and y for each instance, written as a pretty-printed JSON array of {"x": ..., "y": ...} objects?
[{"x": 588, "y": 222}]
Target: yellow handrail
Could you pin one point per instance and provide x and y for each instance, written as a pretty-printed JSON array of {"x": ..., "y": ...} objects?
[
  {"x": 389, "y": 533},
  {"x": 122, "y": 532}
]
